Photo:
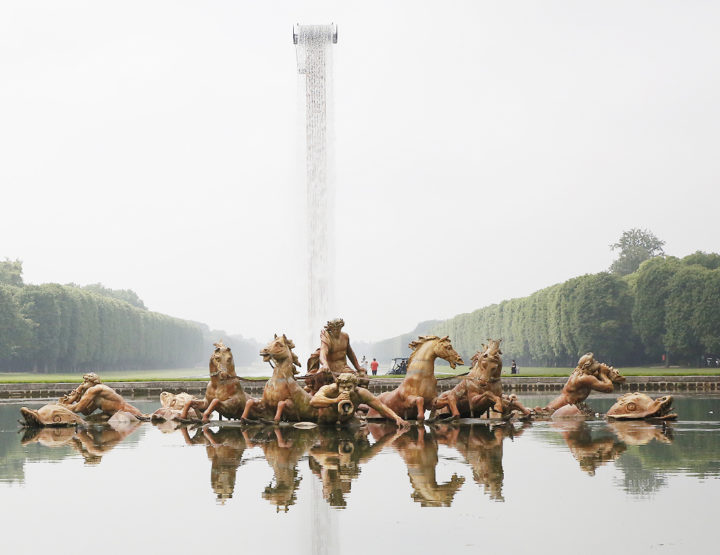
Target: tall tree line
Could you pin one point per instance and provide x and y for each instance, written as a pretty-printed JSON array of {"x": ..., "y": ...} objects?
[
  {"x": 52, "y": 327},
  {"x": 667, "y": 306}
]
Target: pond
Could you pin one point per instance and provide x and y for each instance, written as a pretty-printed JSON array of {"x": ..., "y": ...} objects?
[{"x": 573, "y": 487}]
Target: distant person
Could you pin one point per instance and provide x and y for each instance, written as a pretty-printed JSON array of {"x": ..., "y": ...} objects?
[
  {"x": 364, "y": 364},
  {"x": 513, "y": 368},
  {"x": 374, "y": 366}
]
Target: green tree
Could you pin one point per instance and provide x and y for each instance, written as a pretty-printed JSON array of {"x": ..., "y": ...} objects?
[
  {"x": 11, "y": 272},
  {"x": 651, "y": 293},
  {"x": 685, "y": 295},
  {"x": 635, "y": 246},
  {"x": 15, "y": 330},
  {"x": 711, "y": 261}
]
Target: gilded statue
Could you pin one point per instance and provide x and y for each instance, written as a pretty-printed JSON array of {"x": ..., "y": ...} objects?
[
  {"x": 173, "y": 406},
  {"x": 330, "y": 360},
  {"x": 418, "y": 390},
  {"x": 92, "y": 395},
  {"x": 224, "y": 393},
  {"x": 284, "y": 399},
  {"x": 481, "y": 390},
  {"x": 337, "y": 402},
  {"x": 589, "y": 375},
  {"x": 638, "y": 406}
]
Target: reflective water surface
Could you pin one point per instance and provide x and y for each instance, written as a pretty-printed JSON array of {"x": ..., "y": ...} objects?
[{"x": 561, "y": 487}]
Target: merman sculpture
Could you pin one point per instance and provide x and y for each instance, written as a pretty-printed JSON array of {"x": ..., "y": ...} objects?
[
  {"x": 588, "y": 376},
  {"x": 94, "y": 395},
  {"x": 418, "y": 390},
  {"x": 481, "y": 390},
  {"x": 89, "y": 396}
]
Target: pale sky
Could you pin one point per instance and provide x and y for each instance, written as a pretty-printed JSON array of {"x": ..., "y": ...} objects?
[{"x": 484, "y": 150}]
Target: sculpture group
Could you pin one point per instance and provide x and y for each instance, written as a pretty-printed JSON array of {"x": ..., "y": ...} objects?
[{"x": 336, "y": 394}]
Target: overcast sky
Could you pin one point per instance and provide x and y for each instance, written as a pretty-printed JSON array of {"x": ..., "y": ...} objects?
[{"x": 484, "y": 150}]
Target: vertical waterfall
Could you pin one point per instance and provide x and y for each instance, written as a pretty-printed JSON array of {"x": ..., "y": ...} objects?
[{"x": 314, "y": 60}]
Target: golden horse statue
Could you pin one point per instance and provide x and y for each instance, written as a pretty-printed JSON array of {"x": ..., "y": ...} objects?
[
  {"x": 481, "y": 390},
  {"x": 418, "y": 390},
  {"x": 224, "y": 392}
]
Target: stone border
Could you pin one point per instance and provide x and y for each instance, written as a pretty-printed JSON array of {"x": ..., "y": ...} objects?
[{"x": 377, "y": 385}]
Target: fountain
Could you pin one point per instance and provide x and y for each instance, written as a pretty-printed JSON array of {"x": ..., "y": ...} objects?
[{"x": 314, "y": 59}]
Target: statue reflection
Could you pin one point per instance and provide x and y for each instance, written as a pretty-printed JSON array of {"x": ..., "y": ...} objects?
[
  {"x": 419, "y": 450},
  {"x": 336, "y": 458},
  {"x": 590, "y": 452},
  {"x": 283, "y": 449},
  {"x": 482, "y": 447},
  {"x": 639, "y": 432},
  {"x": 91, "y": 443},
  {"x": 225, "y": 449}
]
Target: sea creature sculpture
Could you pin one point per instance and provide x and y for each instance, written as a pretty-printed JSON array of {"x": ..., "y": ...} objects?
[
  {"x": 589, "y": 375},
  {"x": 481, "y": 390},
  {"x": 418, "y": 390},
  {"x": 51, "y": 415},
  {"x": 638, "y": 406},
  {"x": 224, "y": 393},
  {"x": 172, "y": 407},
  {"x": 89, "y": 396}
]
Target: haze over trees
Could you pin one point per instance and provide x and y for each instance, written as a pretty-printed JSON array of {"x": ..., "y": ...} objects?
[
  {"x": 66, "y": 327},
  {"x": 666, "y": 306}
]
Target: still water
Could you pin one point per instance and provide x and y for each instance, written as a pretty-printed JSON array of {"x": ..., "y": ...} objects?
[{"x": 574, "y": 487}]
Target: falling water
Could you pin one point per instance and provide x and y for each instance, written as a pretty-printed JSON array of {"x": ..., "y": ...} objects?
[{"x": 314, "y": 59}]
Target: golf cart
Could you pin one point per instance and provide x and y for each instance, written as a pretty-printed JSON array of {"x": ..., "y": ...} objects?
[{"x": 399, "y": 366}]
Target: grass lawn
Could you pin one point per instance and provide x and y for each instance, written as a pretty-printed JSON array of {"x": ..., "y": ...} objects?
[{"x": 201, "y": 374}]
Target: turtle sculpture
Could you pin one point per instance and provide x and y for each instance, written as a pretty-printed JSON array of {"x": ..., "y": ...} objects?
[{"x": 638, "y": 406}]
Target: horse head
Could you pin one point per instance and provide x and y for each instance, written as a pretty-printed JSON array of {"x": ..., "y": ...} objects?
[
  {"x": 222, "y": 361},
  {"x": 444, "y": 349},
  {"x": 487, "y": 362},
  {"x": 279, "y": 350}
]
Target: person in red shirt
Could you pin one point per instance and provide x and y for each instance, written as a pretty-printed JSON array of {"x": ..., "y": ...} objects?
[{"x": 374, "y": 366}]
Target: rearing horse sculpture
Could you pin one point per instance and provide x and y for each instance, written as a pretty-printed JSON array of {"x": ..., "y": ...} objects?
[
  {"x": 333, "y": 403},
  {"x": 481, "y": 389},
  {"x": 418, "y": 390},
  {"x": 224, "y": 393},
  {"x": 282, "y": 394}
]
